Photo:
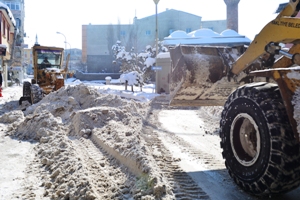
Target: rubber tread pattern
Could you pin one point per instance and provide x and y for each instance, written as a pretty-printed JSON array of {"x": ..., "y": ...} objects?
[
  {"x": 36, "y": 93},
  {"x": 282, "y": 173},
  {"x": 26, "y": 89}
]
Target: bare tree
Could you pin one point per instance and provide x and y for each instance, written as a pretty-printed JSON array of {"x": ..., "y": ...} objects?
[{"x": 118, "y": 34}]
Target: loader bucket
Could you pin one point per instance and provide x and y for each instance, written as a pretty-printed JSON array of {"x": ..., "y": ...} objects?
[{"x": 198, "y": 75}]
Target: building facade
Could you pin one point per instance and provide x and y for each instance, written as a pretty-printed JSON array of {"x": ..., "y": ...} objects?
[
  {"x": 28, "y": 60},
  {"x": 75, "y": 59},
  {"x": 7, "y": 32},
  {"x": 17, "y": 8},
  {"x": 97, "y": 40}
]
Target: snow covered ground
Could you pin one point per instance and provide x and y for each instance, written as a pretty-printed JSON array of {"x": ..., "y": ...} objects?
[
  {"x": 147, "y": 93},
  {"x": 47, "y": 150},
  {"x": 95, "y": 141}
]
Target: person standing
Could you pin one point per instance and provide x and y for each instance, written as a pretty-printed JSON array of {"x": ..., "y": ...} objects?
[
  {"x": 1, "y": 80},
  {"x": 1, "y": 83}
]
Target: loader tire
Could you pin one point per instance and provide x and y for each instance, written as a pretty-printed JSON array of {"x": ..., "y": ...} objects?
[
  {"x": 26, "y": 89},
  {"x": 259, "y": 148},
  {"x": 36, "y": 93}
]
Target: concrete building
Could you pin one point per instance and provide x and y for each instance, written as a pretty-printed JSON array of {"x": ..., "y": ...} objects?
[
  {"x": 27, "y": 61},
  {"x": 97, "y": 40},
  {"x": 75, "y": 59},
  {"x": 7, "y": 32},
  {"x": 17, "y": 8},
  {"x": 15, "y": 63}
]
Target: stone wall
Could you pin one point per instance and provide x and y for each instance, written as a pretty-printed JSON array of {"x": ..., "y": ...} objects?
[
  {"x": 95, "y": 76},
  {"x": 101, "y": 64}
]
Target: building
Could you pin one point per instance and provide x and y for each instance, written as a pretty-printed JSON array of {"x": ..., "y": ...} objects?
[
  {"x": 75, "y": 59},
  {"x": 7, "y": 33},
  {"x": 27, "y": 60},
  {"x": 15, "y": 62},
  {"x": 18, "y": 10},
  {"x": 97, "y": 40}
]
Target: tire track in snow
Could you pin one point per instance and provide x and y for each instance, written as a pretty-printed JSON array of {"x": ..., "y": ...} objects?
[
  {"x": 187, "y": 130},
  {"x": 108, "y": 178},
  {"x": 182, "y": 184}
]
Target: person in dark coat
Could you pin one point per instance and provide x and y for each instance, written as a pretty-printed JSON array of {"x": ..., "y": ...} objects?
[
  {"x": 45, "y": 64},
  {"x": 1, "y": 84},
  {"x": 1, "y": 79}
]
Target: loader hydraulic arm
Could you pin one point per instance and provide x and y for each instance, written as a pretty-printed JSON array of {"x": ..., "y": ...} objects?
[{"x": 285, "y": 28}]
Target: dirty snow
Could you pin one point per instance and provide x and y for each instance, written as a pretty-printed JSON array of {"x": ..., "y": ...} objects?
[
  {"x": 296, "y": 99},
  {"x": 86, "y": 141},
  {"x": 76, "y": 112},
  {"x": 64, "y": 120}
]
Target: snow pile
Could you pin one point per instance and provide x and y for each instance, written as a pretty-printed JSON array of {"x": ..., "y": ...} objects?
[
  {"x": 69, "y": 124},
  {"x": 211, "y": 115},
  {"x": 13, "y": 118},
  {"x": 213, "y": 111},
  {"x": 295, "y": 102},
  {"x": 10, "y": 96}
]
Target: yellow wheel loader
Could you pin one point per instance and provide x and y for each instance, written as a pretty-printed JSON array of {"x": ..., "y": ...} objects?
[
  {"x": 256, "y": 85},
  {"x": 48, "y": 73}
]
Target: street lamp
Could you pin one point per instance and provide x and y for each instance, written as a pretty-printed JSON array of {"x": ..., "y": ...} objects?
[
  {"x": 156, "y": 29},
  {"x": 65, "y": 39},
  {"x": 156, "y": 43},
  {"x": 70, "y": 53},
  {"x": 65, "y": 43}
]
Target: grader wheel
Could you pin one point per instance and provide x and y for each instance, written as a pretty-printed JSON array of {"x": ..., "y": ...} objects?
[{"x": 36, "y": 93}]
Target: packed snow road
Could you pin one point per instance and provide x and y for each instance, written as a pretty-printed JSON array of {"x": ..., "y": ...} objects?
[
  {"x": 79, "y": 143},
  {"x": 191, "y": 134}
]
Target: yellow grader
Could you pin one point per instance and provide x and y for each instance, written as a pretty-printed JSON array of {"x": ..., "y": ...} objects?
[
  {"x": 256, "y": 85},
  {"x": 48, "y": 73}
]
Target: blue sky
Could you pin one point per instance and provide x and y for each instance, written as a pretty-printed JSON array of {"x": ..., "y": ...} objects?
[{"x": 45, "y": 18}]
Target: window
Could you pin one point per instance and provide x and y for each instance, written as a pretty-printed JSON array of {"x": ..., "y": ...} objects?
[
  {"x": 7, "y": 33},
  {"x": 18, "y": 22},
  {"x": 188, "y": 30},
  {"x": 13, "y": 5},
  {"x": 122, "y": 33},
  {"x": 4, "y": 27},
  {"x": 148, "y": 32}
]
